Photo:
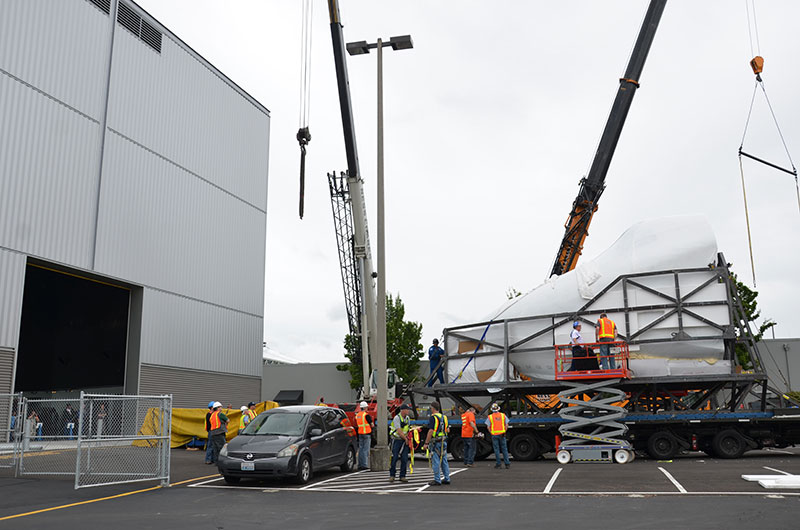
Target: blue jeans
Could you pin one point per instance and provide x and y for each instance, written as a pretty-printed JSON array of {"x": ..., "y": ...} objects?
[
  {"x": 399, "y": 452},
  {"x": 469, "y": 450},
  {"x": 439, "y": 373},
  {"x": 209, "y": 449},
  {"x": 606, "y": 362},
  {"x": 438, "y": 452},
  {"x": 364, "y": 441},
  {"x": 499, "y": 444}
]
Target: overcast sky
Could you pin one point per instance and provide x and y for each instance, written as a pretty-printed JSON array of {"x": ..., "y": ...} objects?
[{"x": 490, "y": 122}]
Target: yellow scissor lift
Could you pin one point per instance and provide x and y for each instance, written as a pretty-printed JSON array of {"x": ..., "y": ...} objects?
[{"x": 593, "y": 431}]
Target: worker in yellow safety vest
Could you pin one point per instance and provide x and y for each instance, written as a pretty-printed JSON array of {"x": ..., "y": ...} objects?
[
  {"x": 605, "y": 330},
  {"x": 364, "y": 426},
  {"x": 247, "y": 415},
  {"x": 498, "y": 425},
  {"x": 401, "y": 424},
  {"x": 436, "y": 443}
]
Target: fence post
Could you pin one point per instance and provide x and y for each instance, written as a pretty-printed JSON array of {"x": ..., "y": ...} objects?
[{"x": 78, "y": 448}]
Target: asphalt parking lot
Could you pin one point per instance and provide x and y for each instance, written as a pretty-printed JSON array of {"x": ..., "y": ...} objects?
[{"x": 693, "y": 489}]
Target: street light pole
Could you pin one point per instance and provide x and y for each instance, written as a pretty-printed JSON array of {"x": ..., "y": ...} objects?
[
  {"x": 379, "y": 460},
  {"x": 380, "y": 360}
]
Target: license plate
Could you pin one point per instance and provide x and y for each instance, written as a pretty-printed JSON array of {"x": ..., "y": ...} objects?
[{"x": 248, "y": 466}]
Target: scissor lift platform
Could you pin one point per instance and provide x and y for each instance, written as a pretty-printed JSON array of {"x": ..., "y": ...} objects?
[{"x": 593, "y": 430}]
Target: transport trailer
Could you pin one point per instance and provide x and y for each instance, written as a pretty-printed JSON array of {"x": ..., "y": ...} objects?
[
  {"x": 670, "y": 400},
  {"x": 660, "y": 423}
]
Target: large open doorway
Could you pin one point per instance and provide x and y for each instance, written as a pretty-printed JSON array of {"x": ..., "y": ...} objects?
[{"x": 73, "y": 334}]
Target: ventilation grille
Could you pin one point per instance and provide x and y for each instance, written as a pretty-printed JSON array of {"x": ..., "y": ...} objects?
[
  {"x": 102, "y": 5},
  {"x": 142, "y": 29}
]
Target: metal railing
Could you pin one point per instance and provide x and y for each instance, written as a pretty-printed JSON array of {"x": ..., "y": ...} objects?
[{"x": 100, "y": 439}]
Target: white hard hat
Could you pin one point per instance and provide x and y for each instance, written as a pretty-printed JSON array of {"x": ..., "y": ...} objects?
[
  {"x": 217, "y": 404},
  {"x": 495, "y": 407},
  {"x": 364, "y": 405},
  {"x": 243, "y": 407}
]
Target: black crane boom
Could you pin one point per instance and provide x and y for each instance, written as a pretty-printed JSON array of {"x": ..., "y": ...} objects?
[{"x": 592, "y": 186}]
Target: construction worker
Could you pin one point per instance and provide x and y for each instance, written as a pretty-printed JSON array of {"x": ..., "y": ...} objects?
[
  {"x": 436, "y": 443},
  {"x": 498, "y": 425},
  {"x": 218, "y": 422},
  {"x": 364, "y": 426},
  {"x": 245, "y": 418},
  {"x": 401, "y": 424},
  {"x": 321, "y": 402},
  {"x": 605, "y": 330},
  {"x": 581, "y": 358},
  {"x": 434, "y": 358},
  {"x": 209, "y": 450},
  {"x": 469, "y": 430}
]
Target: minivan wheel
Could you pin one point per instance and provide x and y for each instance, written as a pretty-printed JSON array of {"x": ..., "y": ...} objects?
[
  {"x": 349, "y": 460},
  {"x": 304, "y": 470}
]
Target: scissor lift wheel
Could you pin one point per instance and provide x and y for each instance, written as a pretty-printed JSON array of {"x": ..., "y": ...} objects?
[
  {"x": 623, "y": 456},
  {"x": 563, "y": 456}
]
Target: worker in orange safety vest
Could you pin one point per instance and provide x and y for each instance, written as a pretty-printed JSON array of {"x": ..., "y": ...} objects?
[
  {"x": 605, "y": 330},
  {"x": 218, "y": 422},
  {"x": 364, "y": 426},
  {"x": 498, "y": 425}
]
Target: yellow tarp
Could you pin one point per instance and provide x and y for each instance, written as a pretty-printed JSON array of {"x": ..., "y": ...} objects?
[{"x": 191, "y": 423}]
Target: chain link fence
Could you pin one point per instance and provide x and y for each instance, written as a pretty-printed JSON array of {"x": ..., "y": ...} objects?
[
  {"x": 123, "y": 439},
  {"x": 100, "y": 439},
  {"x": 10, "y": 428},
  {"x": 49, "y": 437}
]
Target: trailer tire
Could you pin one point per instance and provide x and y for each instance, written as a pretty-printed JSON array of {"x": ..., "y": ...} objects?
[
  {"x": 728, "y": 444},
  {"x": 456, "y": 448},
  {"x": 525, "y": 446},
  {"x": 662, "y": 445},
  {"x": 563, "y": 456}
]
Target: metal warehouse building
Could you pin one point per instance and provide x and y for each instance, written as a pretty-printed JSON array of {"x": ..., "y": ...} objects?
[{"x": 133, "y": 196}]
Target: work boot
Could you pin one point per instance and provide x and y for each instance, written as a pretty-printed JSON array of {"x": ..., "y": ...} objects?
[
  {"x": 391, "y": 479},
  {"x": 434, "y": 483},
  {"x": 404, "y": 479},
  {"x": 508, "y": 466},
  {"x": 497, "y": 466}
]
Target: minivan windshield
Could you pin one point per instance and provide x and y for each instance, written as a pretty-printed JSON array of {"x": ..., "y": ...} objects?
[{"x": 277, "y": 423}]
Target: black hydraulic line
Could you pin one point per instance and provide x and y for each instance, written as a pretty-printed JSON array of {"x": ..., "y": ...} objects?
[
  {"x": 343, "y": 84},
  {"x": 592, "y": 186},
  {"x": 770, "y": 164}
]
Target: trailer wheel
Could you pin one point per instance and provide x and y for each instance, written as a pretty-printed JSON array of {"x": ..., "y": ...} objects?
[
  {"x": 563, "y": 456},
  {"x": 456, "y": 448},
  {"x": 728, "y": 444},
  {"x": 524, "y": 447},
  {"x": 621, "y": 456},
  {"x": 662, "y": 445}
]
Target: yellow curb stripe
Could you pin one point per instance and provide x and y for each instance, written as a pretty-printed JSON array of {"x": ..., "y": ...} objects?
[
  {"x": 103, "y": 498},
  {"x": 78, "y": 503}
]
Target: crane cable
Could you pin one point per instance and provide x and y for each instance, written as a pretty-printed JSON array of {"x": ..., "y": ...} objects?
[
  {"x": 303, "y": 134},
  {"x": 757, "y": 64}
]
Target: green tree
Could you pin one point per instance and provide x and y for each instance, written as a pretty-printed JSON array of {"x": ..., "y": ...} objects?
[
  {"x": 403, "y": 345},
  {"x": 750, "y": 306}
]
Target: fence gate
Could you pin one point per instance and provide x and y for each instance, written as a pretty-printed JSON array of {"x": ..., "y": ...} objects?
[
  {"x": 123, "y": 439},
  {"x": 100, "y": 439},
  {"x": 11, "y": 406}
]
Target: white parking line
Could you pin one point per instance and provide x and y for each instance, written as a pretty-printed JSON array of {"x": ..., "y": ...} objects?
[
  {"x": 552, "y": 480},
  {"x": 776, "y": 470},
  {"x": 205, "y": 482},
  {"x": 672, "y": 479},
  {"x": 331, "y": 479}
]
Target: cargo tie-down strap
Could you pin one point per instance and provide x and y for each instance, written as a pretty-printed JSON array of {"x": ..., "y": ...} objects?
[{"x": 483, "y": 337}]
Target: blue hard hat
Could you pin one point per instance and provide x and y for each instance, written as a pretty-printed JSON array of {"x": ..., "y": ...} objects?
[
  {"x": 576, "y": 324},
  {"x": 211, "y": 404}
]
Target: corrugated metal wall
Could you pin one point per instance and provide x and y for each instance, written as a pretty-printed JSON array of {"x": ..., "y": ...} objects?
[
  {"x": 6, "y": 370},
  {"x": 48, "y": 181},
  {"x": 184, "y": 184},
  {"x": 192, "y": 389},
  {"x": 173, "y": 104},
  {"x": 59, "y": 47},
  {"x": 179, "y": 234},
  {"x": 178, "y": 331},
  {"x": 12, "y": 278}
]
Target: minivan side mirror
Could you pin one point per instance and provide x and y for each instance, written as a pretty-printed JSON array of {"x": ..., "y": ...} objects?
[{"x": 315, "y": 432}]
